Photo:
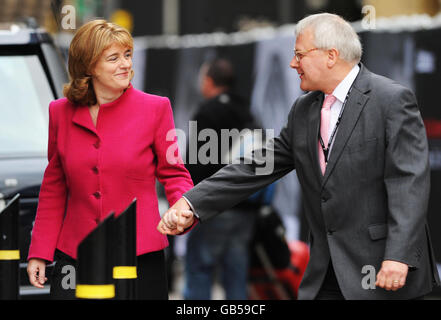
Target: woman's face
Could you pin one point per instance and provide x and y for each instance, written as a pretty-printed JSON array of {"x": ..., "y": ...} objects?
[{"x": 113, "y": 69}]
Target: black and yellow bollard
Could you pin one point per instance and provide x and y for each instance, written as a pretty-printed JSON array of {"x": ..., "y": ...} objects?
[
  {"x": 125, "y": 262},
  {"x": 9, "y": 250},
  {"x": 95, "y": 262}
]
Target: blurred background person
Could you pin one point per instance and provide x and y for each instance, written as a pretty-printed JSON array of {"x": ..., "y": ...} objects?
[
  {"x": 107, "y": 146},
  {"x": 221, "y": 244}
]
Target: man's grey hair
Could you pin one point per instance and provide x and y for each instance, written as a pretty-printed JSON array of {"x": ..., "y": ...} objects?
[{"x": 332, "y": 31}]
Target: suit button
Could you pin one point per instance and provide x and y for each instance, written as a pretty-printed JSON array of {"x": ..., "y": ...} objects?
[
  {"x": 97, "y": 145},
  {"x": 325, "y": 196},
  {"x": 95, "y": 170},
  {"x": 97, "y": 194},
  {"x": 330, "y": 232}
]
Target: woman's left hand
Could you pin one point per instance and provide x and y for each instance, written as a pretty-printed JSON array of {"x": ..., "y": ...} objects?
[{"x": 178, "y": 218}]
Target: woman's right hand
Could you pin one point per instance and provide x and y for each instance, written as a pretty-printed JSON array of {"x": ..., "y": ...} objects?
[{"x": 36, "y": 272}]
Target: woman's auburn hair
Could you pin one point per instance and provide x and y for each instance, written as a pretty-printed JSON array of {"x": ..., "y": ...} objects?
[{"x": 86, "y": 48}]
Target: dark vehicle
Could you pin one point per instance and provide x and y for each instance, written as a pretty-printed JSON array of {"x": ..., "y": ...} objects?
[{"x": 32, "y": 73}]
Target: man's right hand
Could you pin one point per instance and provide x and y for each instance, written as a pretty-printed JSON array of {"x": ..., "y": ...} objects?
[
  {"x": 178, "y": 218},
  {"x": 36, "y": 272}
]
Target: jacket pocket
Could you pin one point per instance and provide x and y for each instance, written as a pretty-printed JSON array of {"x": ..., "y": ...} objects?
[
  {"x": 356, "y": 147},
  {"x": 378, "y": 231},
  {"x": 137, "y": 172},
  {"x": 136, "y": 177}
]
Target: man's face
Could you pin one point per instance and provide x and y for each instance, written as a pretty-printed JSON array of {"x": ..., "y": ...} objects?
[{"x": 313, "y": 63}]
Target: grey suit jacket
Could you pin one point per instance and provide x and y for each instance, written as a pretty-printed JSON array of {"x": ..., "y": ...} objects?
[{"x": 370, "y": 205}]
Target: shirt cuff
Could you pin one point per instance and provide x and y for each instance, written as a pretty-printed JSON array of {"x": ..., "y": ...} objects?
[{"x": 191, "y": 207}]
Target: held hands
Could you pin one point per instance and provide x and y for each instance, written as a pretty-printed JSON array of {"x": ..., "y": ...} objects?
[
  {"x": 392, "y": 275},
  {"x": 178, "y": 218},
  {"x": 36, "y": 272}
]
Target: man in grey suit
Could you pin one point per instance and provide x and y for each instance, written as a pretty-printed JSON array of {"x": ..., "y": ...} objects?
[{"x": 359, "y": 146}]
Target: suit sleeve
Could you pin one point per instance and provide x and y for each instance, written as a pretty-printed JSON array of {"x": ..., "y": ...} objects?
[
  {"x": 170, "y": 169},
  {"x": 51, "y": 202},
  {"x": 407, "y": 179},
  {"x": 236, "y": 182}
]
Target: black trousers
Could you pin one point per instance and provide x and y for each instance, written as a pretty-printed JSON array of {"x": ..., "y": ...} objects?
[
  {"x": 330, "y": 289},
  {"x": 151, "y": 282}
]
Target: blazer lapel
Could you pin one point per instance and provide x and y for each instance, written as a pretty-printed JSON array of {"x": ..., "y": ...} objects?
[
  {"x": 313, "y": 133},
  {"x": 355, "y": 105},
  {"x": 82, "y": 118}
]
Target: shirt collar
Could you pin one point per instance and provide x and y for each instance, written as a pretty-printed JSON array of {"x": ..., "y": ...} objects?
[{"x": 343, "y": 88}]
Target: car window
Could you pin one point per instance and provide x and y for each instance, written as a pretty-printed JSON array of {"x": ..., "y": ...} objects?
[{"x": 25, "y": 94}]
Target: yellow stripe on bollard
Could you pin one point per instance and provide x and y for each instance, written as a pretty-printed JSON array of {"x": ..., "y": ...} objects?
[
  {"x": 89, "y": 291},
  {"x": 121, "y": 272},
  {"x": 9, "y": 254}
]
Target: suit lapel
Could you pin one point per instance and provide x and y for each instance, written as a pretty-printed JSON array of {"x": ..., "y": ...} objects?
[
  {"x": 313, "y": 132},
  {"x": 355, "y": 105},
  {"x": 82, "y": 118}
]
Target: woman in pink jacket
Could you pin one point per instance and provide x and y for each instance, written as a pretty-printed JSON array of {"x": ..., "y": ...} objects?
[{"x": 108, "y": 143}]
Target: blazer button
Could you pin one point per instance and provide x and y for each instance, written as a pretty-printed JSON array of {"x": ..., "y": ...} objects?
[
  {"x": 330, "y": 232},
  {"x": 95, "y": 170},
  {"x": 325, "y": 196},
  {"x": 97, "y": 194},
  {"x": 97, "y": 145}
]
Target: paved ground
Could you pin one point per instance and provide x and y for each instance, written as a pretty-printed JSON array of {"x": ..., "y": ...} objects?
[{"x": 178, "y": 284}]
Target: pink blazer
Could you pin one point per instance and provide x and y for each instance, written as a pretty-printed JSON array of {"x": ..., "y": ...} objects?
[{"x": 94, "y": 171}]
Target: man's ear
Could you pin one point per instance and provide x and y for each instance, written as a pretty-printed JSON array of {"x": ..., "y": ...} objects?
[
  {"x": 210, "y": 82},
  {"x": 333, "y": 55},
  {"x": 208, "y": 87}
]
